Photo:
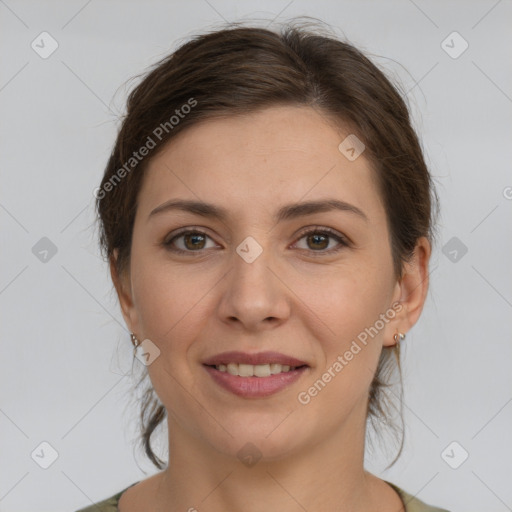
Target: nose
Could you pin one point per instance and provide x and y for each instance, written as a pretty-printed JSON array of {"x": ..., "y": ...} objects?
[{"x": 254, "y": 295}]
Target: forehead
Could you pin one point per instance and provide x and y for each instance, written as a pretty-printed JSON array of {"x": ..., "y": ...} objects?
[{"x": 274, "y": 156}]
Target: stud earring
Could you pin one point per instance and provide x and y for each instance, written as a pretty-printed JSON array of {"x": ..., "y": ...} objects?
[
  {"x": 398, "y": 337},
  {"x": 135, "y": 341}
]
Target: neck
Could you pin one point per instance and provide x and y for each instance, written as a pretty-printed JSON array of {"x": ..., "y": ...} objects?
[{"x": 328, "y": 474}]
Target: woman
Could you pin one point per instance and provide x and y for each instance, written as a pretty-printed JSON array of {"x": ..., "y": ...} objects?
[{"x": 267, "y": 215}]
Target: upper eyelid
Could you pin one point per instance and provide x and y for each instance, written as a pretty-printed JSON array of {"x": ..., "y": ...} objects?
[{"x": 184, "y": 231}]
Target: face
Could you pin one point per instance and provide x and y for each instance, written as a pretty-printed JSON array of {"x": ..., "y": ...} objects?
[{"x": 265, "y": 276}]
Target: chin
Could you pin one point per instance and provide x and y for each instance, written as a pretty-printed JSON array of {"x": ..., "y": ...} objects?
[{"x": 262, "y": 441}]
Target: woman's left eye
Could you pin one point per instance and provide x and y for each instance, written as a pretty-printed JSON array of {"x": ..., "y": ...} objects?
[{"x": 318, "y": 240}]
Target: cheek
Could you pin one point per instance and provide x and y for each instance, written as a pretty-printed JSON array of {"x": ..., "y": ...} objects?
[
  {"x": 169, "y": 303},
  {"x": 172, "y": 309},
  {"x": 350, "y": 356},
  {"x": 349, "y": 303},
  {"x": 346, "y": 299}
]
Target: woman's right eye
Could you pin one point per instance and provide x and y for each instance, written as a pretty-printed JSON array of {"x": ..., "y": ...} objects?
[{"x": 187, "y": 241}]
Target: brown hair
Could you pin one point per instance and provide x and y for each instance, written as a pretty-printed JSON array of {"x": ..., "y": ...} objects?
[{"x": 238, "y": 70}]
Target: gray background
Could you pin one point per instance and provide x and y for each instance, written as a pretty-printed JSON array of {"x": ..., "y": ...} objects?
[{"x": 65, "y": 365}]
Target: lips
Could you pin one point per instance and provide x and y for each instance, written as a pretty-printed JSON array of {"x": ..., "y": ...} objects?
[{"x": 254, "y": 375}]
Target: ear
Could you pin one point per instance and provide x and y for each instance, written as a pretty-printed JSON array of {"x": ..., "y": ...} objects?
[
  {"x": 410, "y": 291},
  {"x": 122, "y": 284}
]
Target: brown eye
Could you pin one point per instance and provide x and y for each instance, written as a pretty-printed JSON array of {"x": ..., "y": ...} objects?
[
  {"x": 188, "y": 241},
  {"x": 194, "y": 241},
  {"x": 320, "y": 241}
]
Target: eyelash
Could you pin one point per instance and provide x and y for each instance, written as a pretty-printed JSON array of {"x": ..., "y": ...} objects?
[{"x": 343, "y": 242}]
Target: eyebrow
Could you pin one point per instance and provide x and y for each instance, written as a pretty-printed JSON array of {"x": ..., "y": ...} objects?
[{"x": 287, "y": 212}]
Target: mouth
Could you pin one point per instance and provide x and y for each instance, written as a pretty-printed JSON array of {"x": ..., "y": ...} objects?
[{"x": 254, "y": 375}]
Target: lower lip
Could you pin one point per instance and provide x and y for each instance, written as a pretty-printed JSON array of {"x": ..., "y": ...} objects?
[{"x": 255, "y": 387}]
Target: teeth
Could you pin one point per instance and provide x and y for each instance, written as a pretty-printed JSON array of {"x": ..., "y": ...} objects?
[
  {"x": 244, "y": 370},
  {"x": 251, "y": 370},
  {"x": 262, "y": 370}
]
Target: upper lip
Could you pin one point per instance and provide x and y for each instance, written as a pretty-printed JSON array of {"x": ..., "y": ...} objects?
[{"x": 254, "y": 359}]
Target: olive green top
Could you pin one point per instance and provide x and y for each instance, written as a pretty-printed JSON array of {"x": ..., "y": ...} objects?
[{"x": 411, "y": 504}]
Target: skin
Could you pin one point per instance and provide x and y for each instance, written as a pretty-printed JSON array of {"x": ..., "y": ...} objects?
[{"x": 298, "y": 297}]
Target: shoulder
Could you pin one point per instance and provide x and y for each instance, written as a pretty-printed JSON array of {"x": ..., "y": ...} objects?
[
  {"x": 107, "y": 505},
  {"x": 413, "y": 504}
]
